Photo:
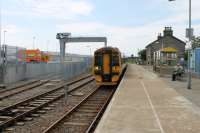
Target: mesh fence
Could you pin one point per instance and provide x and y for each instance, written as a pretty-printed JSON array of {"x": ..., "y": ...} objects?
[
  {"x": 14, "y": 68},
  {"x": 12, "y": 54}
]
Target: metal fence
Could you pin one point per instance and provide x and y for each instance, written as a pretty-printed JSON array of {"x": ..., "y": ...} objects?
[
  {"x": 195, "y": 62},
  {"x": 13, "y": 68}
]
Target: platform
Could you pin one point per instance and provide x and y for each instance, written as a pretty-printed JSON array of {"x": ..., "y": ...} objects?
[{"x": 143, "y": 103}]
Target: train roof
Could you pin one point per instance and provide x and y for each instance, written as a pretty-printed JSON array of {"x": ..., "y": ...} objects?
[{"x": 113, "y": 49}]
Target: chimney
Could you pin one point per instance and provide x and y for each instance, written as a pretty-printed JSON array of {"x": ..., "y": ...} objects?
[{"x": 168, "y": 31}]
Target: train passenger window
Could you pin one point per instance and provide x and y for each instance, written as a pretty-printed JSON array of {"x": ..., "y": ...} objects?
[
  {"x": 98, "y": 60},
  {"x": 115, "y": 60}
]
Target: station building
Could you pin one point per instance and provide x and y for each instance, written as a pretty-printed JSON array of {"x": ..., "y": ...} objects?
[{"x": 168, "y": 40}]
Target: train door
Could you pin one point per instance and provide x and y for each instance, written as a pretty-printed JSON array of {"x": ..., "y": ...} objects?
[
  {"x": 106, "y": 64},
  {"x": 106, "y": 67}
]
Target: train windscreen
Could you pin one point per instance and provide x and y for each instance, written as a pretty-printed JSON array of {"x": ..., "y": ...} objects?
[
  {"x": 115, "y": 60},
  {"x": 98, "y": 60}
]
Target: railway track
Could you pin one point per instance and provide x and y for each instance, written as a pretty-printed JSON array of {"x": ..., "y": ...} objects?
[
  {"x": 10, "y": 92},
  {"x": 30, "y": 107},
  {"x": 24, "y": 87},
  {"x": 29, "y": 82},
  {"x": 85, "y": 115},
  {"x": 18, "y": 86}
]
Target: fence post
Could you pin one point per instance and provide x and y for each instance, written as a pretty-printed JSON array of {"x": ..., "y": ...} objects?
[
  {"x": 66, "y": 88},
  {"x": 1, "y": 73},
  {"x": 16, "y": 61},
  {"x": 4, "y": 62},
  {"x": 1, "y": 66}
]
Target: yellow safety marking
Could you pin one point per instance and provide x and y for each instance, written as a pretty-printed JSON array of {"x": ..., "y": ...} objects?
[{"x": 106, "y": 64}]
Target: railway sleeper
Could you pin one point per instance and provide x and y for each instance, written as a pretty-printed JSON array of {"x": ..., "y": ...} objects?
[
  {"x": 36, "y": 102},
  {"x": 9, "y": 129},
  {"x": 84, "y": 115},
  {"x": 75, "y": 124},
  {"x": 89, "y": 107},
  {"x": 41, "y": 100},
  {"x": 28, "y": 118},
  {"x": 51, "y": 105},
  {"x": 81, "y": 119},
  {"x": 46, "y": 98},
  {"x": 23, "y": 110},
  {"x": 47, "y": 108},
  {"x": 7, "y": 113},
  {"x": 35, "y": 105},
  {"x": 88, "y": 120},
  {"x": 96, "y": 100},
  {"x": 25, "y": 107},
  {"x": 41, "y": 111},
  {"x": 20, "y": 123},
  {"x": 35, "y": 115},
  {"x": 91, "y": 104},
  {"x": 87, "y": 111},
  {"x": 2, "y": 118},
  {"x": 50, "y": 97}
]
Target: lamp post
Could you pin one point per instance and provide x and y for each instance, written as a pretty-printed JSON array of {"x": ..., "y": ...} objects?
[
  {"x": 48, "y": 45},
  {"x": 0, "y": 34},
  {"x": 189, "y": 34},
  {"x": 90, "y": 49},
  {"x": 4, "y": 37},
  {"x": 33, "y": 42},
  {"x": 189, "y": 50}
]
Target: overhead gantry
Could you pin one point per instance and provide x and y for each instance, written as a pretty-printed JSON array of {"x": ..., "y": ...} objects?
[{"x": 66, "y": 38}]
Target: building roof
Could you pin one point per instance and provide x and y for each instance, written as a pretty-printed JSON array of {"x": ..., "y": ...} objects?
[
  {"x": 168, "y": 32},
  {"x": 164, "y": 37}
]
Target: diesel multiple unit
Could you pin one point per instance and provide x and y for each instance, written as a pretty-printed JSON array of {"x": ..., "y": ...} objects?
[{"x": 107, "y": 66}]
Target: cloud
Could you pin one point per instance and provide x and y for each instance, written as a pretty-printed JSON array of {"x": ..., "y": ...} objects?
[
  {"x": 131, "y": 38},
  {"x": 13, "y": 29},
  {"x": 127, "y": 38},
  {"x": 64, "y": 9}
]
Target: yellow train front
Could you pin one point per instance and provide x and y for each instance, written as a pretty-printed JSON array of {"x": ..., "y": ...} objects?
[{"x": 107, "y": 66}]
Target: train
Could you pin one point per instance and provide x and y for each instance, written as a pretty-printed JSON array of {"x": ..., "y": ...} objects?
[
  {"x": 107, "y": 66},
  {"x": 36, "y": 56}
]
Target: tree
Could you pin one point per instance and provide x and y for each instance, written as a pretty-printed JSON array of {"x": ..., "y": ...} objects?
[
  {"x": 195, "y": 42},
  {"x": 142, "y": 54},
  {"x": 186, "y": 55},
  {"x": 132, "y": 56}
]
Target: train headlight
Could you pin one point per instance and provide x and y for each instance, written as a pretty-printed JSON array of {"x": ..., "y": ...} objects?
[
  {"x": 97, "y": 68},
  {"x": 115, "y": 69}
]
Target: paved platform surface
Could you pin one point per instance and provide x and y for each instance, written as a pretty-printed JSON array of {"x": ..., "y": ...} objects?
[{"x": 144, "y": 103}]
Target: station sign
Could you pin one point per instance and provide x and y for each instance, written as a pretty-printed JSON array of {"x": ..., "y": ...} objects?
[{"x": 189, "y": 33}]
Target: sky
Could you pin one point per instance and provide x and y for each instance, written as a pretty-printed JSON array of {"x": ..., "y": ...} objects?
[{"x": 129, "y": 25}]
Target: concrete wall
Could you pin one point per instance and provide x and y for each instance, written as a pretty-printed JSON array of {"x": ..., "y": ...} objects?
[{"x": 17, "y": 72}]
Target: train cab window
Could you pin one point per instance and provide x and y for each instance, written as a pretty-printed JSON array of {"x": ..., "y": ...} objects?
[
  {"x": 115, "y": 60},
  {"x": 98, "y": 60}
]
